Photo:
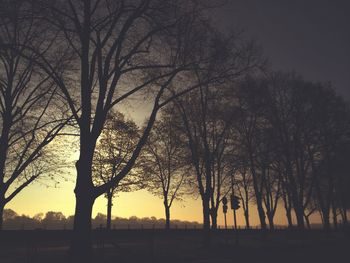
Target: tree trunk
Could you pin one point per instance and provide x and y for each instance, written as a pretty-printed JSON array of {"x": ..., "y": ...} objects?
[
  {"x": 307, "y": 220},
  {"x": 299, "y": 213},
  {"x": 2, "y": 206},
  {"x": 257, "y": 192},
  {"x": 246, "y": 216},
  {"x": 109, "y": 209},
  {"x": 81, "y": 242},
  {"x": 214, "y": 216},
  {"x": 321, "y": 215},
  {"x": 292, "y": 188},
  {"x": 261, "y": 211},
  {"x": 4, "y": 144},
  {"x": 344, "y": 216},
  {"x": 326, "y": 221},
  {"x": 167, "y": 216},
  {"x": 289, "y": 217},
  {"x": 259, "y": 205},
  {"x": 288, "y": 208},
  {"x": 271, "y": 223},
  {"x": 206, "y": 213},
  {"x": 335, "y": 218},
  {"x": 297, "y": 203}
]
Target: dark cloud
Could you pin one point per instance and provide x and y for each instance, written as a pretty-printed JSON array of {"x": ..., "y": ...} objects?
[{"x": 311, "y": 37}]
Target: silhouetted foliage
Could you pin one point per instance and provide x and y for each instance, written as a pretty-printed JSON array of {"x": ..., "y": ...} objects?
[
  {"x": 58, "y": 221},
  {"x": 123, "y": 49},
  {"x": 228, "y": 125},
  {"x": 164, "y": 162},
  {"x": 294, "y": 128},
  {"x": 113, "y": 151},
  {"x": 31, "y": 111}
]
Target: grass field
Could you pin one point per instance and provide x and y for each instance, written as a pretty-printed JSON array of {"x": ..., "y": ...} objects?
[{"x": 180, "y": 246}]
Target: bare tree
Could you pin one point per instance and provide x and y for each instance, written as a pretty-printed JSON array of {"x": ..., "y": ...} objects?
[
  {"x": 250, "y": 122},
  {"x": 207, "y": 116},
  {"x": 164, "y": 163},
  {"x": 113, "y": 151},
  {"x": 271, "y": 193},
  {"x": 122, "y": 49},
  {"x": 207, "y": 127},
  {"x": 326, "y": 150},
  {"x": 243, "y": 186},
  {"x": 307, "y": 123},
  {"x": 30, "y": 118}
]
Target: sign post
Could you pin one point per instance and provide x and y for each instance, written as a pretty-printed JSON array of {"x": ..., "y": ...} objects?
[{"x": 234, "y": 206}]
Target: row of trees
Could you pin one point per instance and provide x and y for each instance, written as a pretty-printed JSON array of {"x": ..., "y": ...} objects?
[
  {"x": 274, "y": 141},
  {"x": 57, "y": 220},
  {"x": 86, "y": 58},
  {"x": 294, "y": 136},
  {"x": 67, "y": 65}
]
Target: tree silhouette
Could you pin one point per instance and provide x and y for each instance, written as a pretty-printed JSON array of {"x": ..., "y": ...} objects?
[
  {"x": 164, "y": 163},
  {"x": 243, "y": 186},
  {"x": 250, "y": 109},
  {"x": 121, "y": 49},
  {"x": 113, "y": 151},
  {"x": 30, "y": 118}
]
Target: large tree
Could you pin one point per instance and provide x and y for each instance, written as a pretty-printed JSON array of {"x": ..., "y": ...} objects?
[
  {"x": 248, "y": 126},
  {"x": 207, "y": 116},
  {"x": 29, "y": 116},
  {"x": 121, "y": 50},
  {"x": 207, "y": 119}
]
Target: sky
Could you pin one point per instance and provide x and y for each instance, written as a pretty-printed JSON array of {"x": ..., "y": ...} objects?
[{"x": 311, "y": 37}]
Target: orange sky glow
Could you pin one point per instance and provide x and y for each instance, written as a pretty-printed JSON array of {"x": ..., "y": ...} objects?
[{"x": 40, "y": 198}]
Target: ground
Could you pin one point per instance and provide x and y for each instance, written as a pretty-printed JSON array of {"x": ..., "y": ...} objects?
[{"x": 124, "y": 246}]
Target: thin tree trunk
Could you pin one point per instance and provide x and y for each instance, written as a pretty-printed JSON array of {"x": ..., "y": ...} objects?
[
  {"x": 246, "y": 216},
  {"x": 307, "y": 220},
  {"x": 246, "y": 207},
  {"x": 344, "y": 216},
  {"x": 258, "y": 197},
  {"x": 335, "y": 218},
  {"x": 321, "y": 215},
  {"x": 287, "y": 207},
  {"x": 167, "y": 215},
  {"x": 289, "y": 217},
  {"x": 271, "y": 223},
  {"x": 261, "y": 211},
  {"x": 326, "y": 221},
  {"x": 109, "y": 209},
  {"x": 295, "y": 198}
]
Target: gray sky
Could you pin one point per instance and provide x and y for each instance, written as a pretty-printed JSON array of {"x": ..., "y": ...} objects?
[{"x": 311, "y": 37}]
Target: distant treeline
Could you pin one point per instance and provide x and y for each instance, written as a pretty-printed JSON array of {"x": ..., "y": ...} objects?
[{"x": 57, "y": 220}]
